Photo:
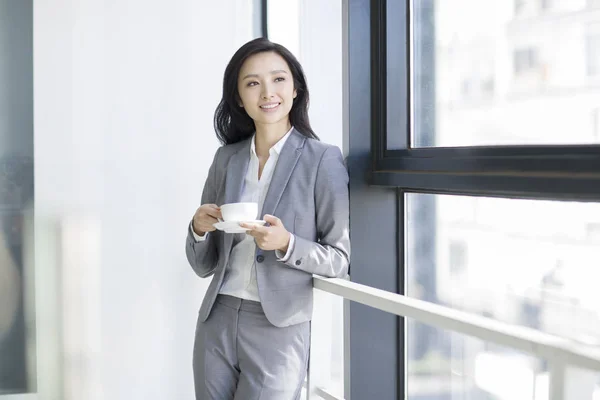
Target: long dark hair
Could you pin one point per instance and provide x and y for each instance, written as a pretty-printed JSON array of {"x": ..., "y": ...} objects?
[{"x": 232, "y": 123}]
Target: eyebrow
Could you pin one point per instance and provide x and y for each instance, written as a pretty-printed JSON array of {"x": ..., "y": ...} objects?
[{"x": 277, "y": 71}]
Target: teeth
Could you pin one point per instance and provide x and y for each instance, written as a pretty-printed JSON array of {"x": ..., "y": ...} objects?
[{"x": 271, "y": 106}]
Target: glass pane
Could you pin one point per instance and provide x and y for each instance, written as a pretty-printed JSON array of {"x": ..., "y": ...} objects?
[
  {"x": 124, "y": 101},
  {"x": 284, "y": 24},
  {"x": 17, "y": 333},
  {"x": 299, "y": 25},
  {"x": 461, "y": 367},
  {"x": 505, "y": 72},
  {"x": 525, "y": 262},
  {"x": 467, "y": 368}
]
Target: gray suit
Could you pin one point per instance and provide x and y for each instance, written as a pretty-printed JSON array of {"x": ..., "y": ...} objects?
[
  {"x": 309, "y": 193},
  {"x": 250, "y": 350}
]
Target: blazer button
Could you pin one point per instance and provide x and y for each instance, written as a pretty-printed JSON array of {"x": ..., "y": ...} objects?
[
  {"x": 260, "y": 258},
  {"x": 298, "y": 262}
]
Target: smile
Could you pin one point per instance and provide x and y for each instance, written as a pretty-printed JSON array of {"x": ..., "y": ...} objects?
[{"x": 269, "y": 107}]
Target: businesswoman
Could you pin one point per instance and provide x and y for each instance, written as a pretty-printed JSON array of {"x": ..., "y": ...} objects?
[{"x": 253, "y": 333}]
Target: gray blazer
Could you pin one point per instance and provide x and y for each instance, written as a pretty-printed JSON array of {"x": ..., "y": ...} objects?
[{"x": 309, "y": 193}]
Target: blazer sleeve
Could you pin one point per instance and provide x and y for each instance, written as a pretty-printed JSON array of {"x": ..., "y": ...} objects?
[
  {"x": 203, "y": 255},
  {"x": 330, "y": 256}
]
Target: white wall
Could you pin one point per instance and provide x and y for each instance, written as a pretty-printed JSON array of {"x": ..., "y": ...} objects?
[{"x": 125, "y": 92}]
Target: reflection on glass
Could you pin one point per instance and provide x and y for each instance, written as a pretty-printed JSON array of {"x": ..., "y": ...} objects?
[
  {"x": 505, "y": 72},
  {"x": 16, "y": 191},
  {"x": 525, "y": 262},
  {"x": 463, "y": 367},
  {"x": 16, "y": 196},
  {"x": 12, "y": 372},
  {"x": 16, "y": 184}
]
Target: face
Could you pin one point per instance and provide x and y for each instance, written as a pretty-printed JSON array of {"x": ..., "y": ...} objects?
[{"x": 266, "y": 89}]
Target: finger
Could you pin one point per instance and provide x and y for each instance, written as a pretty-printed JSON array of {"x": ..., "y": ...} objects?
[
  {"x": 249, "y": 225},
  {"x": 213, "y": 212},
  {"x": 216, "y": 208},
  {"x": 272, "y": 220},
  {"x": 204, "y": 228},
  {"x": 206, "y": 219},
  {"x": 255, "y": 235},
  {"x": 208, "y": 206},
  {"x": 262, "y": 230},
  {"x": 207, "y": 209},
  {"x": 209, "y": 221}
]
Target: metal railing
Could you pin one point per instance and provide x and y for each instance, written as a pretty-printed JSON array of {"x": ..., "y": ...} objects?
[{"x": 559, "y": 352}]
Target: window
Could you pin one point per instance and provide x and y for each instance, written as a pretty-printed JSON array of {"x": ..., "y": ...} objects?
[
  {"x": 546, "y": 5},
  {"x": 519, "y": 252},
  {"x": 593, "y": 230},
  {"x": 284, "y": 24},
  {"x": 527, "y": 266},
  {"x": 592, "y": 47},
  {"x": 489, "y": 78},
  {"x": 457, "y": 366},
  {"x": 458, "y": 256},
  {"x": 595, "y": 125},
  {"x": 475, "y": 88},
  {"x": 525, "y": 60},
  {"x": 492, "y": 203}
]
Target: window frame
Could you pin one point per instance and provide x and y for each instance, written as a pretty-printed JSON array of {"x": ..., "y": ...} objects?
[
  {"x": 384, "y": 165},
  {"x": 525, "y": 171},
  {"x": 263, "y": 6}
]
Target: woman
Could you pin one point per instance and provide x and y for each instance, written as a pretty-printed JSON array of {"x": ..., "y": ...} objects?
[{"x": 253, "y": 332}]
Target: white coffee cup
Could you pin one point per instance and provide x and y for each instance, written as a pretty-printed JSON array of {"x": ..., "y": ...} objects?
[{"x": 239, "y": 211}]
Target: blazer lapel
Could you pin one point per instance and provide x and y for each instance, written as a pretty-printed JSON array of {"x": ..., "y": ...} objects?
[
  {"x": 236, "y": 172},
  {"x": 234, "y": 183},
  {"x": 283, "y": 171}
]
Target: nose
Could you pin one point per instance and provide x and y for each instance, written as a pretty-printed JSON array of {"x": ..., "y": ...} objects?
[{"x": 266, "y": 93}]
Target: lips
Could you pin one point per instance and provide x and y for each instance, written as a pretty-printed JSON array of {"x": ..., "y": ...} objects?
[{"x": 269, "y": 107}]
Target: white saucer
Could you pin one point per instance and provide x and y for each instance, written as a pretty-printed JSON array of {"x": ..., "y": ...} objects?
[{"x": 234, "y": 226}]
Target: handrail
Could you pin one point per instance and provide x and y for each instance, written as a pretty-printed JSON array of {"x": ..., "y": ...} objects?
[{"x": 560, "y": 352}]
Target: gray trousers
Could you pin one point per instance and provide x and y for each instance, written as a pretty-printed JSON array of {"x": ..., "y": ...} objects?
[{"x": 240, "y": 355}]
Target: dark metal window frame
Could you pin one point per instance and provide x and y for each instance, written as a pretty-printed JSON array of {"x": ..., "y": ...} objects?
[
  {"x": 550, "y": 172},
  {"x": 264, "y": 21},
  {"x": 384, "y": 166}
]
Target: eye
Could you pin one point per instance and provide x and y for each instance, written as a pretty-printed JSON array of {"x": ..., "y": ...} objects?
[
  {"x": 280, "y": 79},
  {"x": 253, "y": 83}
]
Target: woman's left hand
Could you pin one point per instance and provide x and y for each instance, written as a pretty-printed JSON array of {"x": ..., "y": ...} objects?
[{"x": 273, "y": 237}]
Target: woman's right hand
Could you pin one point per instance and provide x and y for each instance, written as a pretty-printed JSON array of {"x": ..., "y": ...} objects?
[{"x": 204, "y": 219}]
